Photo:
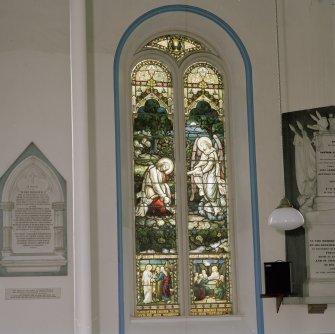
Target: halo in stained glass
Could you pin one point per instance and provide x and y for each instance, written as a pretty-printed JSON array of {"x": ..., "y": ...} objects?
[{"x": 177, "y": 46}]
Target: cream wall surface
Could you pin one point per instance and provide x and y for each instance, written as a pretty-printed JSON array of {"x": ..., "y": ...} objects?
[{"x": 35, "y": 106}]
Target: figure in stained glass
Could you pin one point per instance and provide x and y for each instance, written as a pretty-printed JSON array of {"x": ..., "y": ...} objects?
[
  {"x": 206, "y": 175},
  {"x": 147, "y": 284},
  {"x": 158, "y": 284},
  {"x": 200, "y": 288},
  {"x": 155, "y": 194},
  {"x": 164, "y": 282},
  {"x": 220, "y": 289}
]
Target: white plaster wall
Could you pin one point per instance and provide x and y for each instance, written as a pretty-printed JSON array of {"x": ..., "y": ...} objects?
[
  {"x": 255, "y": 24},
  {"x": 306, "y": 39},
  {"x": 35, "y": 106}
]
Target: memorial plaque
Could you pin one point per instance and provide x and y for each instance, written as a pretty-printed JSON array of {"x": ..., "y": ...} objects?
[
  {"x": 33, "y": 220},
  {"x": 309, "y": 161},
  {"x": 32, "y": 293},
  {"x": 325, "y": 162},
  {"x": 322, "y": 254},
  {"x": 32, "y": 216}
]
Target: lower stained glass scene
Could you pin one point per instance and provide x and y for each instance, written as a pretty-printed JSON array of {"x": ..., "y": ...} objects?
[
  {"x": 210, "y": 282},
  {"x": 157, "y": 279}
]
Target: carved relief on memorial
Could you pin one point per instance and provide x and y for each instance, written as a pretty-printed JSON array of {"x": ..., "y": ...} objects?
[
  {"x": 309, "y": 157},
  {"x": 33, "y": 219},
  {"x": 309, "y": 161}
]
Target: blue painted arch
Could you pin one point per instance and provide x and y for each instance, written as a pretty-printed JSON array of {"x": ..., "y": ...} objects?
[{"x": 251, "y": 145}]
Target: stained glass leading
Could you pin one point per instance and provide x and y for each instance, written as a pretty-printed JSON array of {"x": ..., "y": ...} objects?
[
  {"x": 154, "y": 182},
  {"x": 208, "y": 225},
  {"x": 202, "y": 82},
  {"x": 178, "y": 46},
  {"x": 150, "y": 79}
]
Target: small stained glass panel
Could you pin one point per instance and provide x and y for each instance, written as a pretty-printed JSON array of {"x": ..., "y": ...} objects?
[
  {"x": 211, "y": 285},
  {"x": 203, "y": 82},
  {"x": 177, "y": 46},
  {"x": 151, "y": 80},
  {"x": 157, "y": 295}
]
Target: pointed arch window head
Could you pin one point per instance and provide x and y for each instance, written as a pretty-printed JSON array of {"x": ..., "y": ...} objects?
[
  {"x": 150, "y": 79},
  {"x": 177, "y": 46},
  {"x": 202, "y": 82}
]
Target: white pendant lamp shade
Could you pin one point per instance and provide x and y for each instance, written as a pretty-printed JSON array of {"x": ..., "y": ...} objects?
[{"x": 285, "y": 217}]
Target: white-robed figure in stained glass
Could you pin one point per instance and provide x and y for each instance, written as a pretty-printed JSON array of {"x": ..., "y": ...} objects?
[
  {"x": 206, "y": 174},
  {"x": 155, "y": 194}
]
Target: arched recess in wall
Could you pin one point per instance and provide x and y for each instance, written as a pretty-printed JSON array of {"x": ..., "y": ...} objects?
[{"x": 236, "y": 63}]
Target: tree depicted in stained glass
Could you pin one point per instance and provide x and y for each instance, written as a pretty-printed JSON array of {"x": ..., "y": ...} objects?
[
  {"x": 155, "y": 223},
  {"x": 209, "y": 244}
]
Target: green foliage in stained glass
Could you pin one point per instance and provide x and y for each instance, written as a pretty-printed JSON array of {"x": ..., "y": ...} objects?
[
  {"x": 206, "y": 118},
  {"x": 155, "y": 234},
  {"x": 153, "y": 118}
]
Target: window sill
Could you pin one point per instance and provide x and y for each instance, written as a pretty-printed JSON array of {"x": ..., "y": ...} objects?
[{"x": 190, "y": 319}]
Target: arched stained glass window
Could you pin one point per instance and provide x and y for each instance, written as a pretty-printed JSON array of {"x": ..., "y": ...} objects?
[
  {"x": 181, "y": 216},
  {"x": 209, "y": 244}
]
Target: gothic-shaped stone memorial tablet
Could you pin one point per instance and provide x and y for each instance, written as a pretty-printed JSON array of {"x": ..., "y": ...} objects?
[{"x": 32, "y": 215}]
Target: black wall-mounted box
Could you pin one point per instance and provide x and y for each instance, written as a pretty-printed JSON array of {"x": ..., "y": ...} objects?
[{"x": 278, "y": 278}]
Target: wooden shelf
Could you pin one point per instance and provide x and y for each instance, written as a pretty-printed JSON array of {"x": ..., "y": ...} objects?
[
  {"x": 315, "y": 304},
  {"x": 279, "y": 298}
]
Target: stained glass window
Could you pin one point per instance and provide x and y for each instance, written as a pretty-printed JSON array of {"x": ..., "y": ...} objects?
[
  {"x": 155, "y": 222},
  {"x": 209, "y": 244},
  {"x": 167, "y": 233}
]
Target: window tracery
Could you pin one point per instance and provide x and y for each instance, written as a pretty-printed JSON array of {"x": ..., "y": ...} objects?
[{"x": 161, "y": 217}]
